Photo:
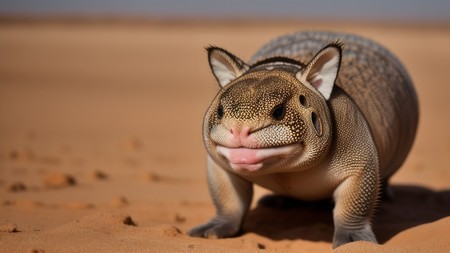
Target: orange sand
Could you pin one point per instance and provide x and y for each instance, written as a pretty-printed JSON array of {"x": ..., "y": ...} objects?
[{"x": 101, "y": 147}]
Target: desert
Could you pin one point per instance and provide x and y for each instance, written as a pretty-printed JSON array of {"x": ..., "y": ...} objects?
[{"x": 101, "y": 144}]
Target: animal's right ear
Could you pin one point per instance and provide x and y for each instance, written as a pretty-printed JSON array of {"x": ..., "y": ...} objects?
[
  {"x": 322, "y": 71},
  {"x": 225, "y": 66}
]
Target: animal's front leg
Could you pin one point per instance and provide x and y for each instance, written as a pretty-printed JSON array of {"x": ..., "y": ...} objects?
[
  {"x": 232, "y": 197},
  {"x": 355, "y": 200}
]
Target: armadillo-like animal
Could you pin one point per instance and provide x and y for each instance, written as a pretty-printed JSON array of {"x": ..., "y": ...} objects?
[{"x": 313, "y": 115}]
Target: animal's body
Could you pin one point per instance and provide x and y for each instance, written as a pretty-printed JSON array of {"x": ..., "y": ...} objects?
[{"x": 308, "y": 119}]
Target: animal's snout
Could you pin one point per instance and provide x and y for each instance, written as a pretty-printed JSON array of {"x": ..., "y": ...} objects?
[
  {"x": 241, "y": 134},
  {"x": 241, "y": 137}
]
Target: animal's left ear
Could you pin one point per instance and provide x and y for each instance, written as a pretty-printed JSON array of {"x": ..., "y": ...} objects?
[
  {"x": 225, "y": 66},
  {"x": 321, "y": 72}
]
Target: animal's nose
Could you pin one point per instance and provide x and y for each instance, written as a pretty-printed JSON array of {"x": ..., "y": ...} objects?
[{"x": 240, "y": 134}]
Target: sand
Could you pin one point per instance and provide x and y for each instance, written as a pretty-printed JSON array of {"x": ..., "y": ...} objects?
[{"x": 101, "y": 147}]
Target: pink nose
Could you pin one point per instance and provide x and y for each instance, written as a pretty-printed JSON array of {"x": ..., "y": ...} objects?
[{"x": 241, "y": 136}]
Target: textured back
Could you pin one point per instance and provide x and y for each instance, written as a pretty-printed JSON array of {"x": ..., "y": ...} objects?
[{"x": 373, "y": 78}]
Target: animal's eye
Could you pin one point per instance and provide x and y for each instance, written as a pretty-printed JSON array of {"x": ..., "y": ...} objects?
[
  {"x": 317, "y": 123},
  {"x": 278, "y": 112},
  {"x": 303, "y": 101},
  {"x": 220, "y": 112}
]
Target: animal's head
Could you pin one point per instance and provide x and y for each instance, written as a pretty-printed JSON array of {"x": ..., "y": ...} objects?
[{"x": 273, "y": 115}]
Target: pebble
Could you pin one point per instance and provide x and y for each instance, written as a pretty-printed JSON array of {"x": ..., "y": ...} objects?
[
  {"x": 58, "y": 180},
  {"x": 9, "y": 228},
  {"x": 17, "y": 187},
  {"x": 171, "y": 231},
  {"x": 99, "y": 175},
  {"x": 120, "y": 201},
  {"x": 127, "y": 220}
]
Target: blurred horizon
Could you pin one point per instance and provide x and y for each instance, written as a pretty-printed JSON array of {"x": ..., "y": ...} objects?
[{"x": 406, "y": 11}]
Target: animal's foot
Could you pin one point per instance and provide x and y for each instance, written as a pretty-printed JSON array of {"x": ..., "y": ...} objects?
[
  {"x": 216, "y": 228},
  {"x": 346, "y": 235}
]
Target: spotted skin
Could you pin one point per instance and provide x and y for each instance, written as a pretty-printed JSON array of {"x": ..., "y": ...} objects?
[
  {"x": 338, "y": 121},
  {"x": 374, "y": 78}
]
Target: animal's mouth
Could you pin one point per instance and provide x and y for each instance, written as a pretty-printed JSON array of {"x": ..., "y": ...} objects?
[{"x": 251, "y": 160}]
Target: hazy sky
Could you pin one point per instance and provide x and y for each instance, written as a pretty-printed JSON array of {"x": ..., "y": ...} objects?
[{"x": 390, "y": 10}]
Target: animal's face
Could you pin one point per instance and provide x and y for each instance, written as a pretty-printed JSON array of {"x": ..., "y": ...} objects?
[{"x": 266, "y": 120}]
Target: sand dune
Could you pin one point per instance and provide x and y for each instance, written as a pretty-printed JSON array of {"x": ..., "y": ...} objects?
[{"x": 101, "y": 147}]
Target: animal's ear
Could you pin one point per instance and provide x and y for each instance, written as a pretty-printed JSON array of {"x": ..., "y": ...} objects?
[
  {"x": 225, "y": 66},
  {"x": 321, "y": 72}
]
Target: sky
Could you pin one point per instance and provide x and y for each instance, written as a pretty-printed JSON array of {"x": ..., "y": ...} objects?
[{"x": 369, "y": 10}]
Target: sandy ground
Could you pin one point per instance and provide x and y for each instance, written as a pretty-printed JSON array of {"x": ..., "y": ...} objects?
[{"x": 101, "y": 147}]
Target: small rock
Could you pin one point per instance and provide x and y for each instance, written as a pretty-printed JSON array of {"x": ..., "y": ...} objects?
[
  {"x": 251, "y": 244},
  {"x": 14, "y": 155},
  {"x": 8, "y": 203},
  {"x": 120, "y": 201},
  {"x": 18, "y": 187},
  {"x": 25, "y": 154},
  {"x": 179, "y": 218},
  {"x": 153, "y": 177},
  {"x": 36, "y": 251},
  {"x": 171, "y": 231},
  {"x": 9, "y": 228},
  {"x": 99, "y": 175},
  {"x": 58, "y": 180},
  {"x": 127, "y": 220}
]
